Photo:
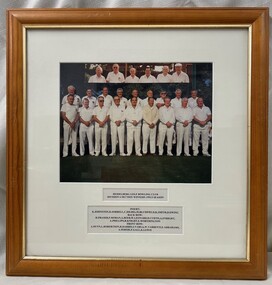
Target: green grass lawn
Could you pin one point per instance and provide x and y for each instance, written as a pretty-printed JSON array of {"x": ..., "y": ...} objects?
[{"x": 134, "y": 169}]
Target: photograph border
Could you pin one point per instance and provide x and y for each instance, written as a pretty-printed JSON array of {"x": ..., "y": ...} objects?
[{"x": 257, "y": 22}]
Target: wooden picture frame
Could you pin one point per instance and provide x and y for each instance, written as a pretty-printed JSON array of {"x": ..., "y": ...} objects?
[{"x": 256, "y": 20}]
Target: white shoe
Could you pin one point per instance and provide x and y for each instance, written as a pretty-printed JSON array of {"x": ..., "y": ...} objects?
[
  {"x": 206, "y": 154},
  {"x": 92, "y": 153},
  {"x": 122, "y": 154},
  {"x": 187, "y": 154},
  {"x": 139, "y": 154},
  {"x": 104, "y": 154},
  {"x": 75, "y": 154},
  {"x": 128, "y": 154},
  {"x": 112, "y": 154},
  {"x": 169, "y": 153},
  {"x": 97, "y": 154},
  {"x": 65, "y": 155},
  {"x": 195, "y": 154}
]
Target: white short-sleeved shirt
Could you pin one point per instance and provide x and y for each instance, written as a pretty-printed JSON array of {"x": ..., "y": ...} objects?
[
  {"x": 115, "y": 77},
  {"x": 70, "y": 112},
  {"x": 192, "y": 102},
  {"x": 86, "y": 114},
  {"x": 108, "y": 100},
  {"x": 139, "y": 102},
  {"x": 180, "y": 78},
  {"x": 149, "y": 79},
  {"x": 167, "y": 115},
  {"x": 201, "y": 113},
  {"x": 77, "y": 100},
  {"x": 159, "y": 101},
  {"x": 100, "y": 113},
  {"x": 117, "y": 113},
  {"x": 123, "y": 102},
  {"x": 133, "y": 114},
  {"x": 176, "y": 103},
  {"x": 97, "y": 79},
  {"x": 131, "y": 79},
  {"x": 184, "y": 114},
  {"x": 164, "y": 78},
  {"x": 92, "y": 101}
]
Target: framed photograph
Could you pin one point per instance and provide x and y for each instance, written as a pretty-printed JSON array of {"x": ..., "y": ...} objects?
[{"x": 137, "y": 142}]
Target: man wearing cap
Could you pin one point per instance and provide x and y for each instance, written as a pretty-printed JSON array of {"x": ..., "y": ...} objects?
[
  {"x": 117, "y": 118},
  {"x": 91, "y": 98},
  {"x": 147, "y": 77},
  {"x": 69, "y": 114},
  {"x": 86, "y": 127},
  {"x": 98, "y": 77},
  {"x": 179, "y": 76},
  {"x": 164, "y": 77},
  {"x": 134, "y": 115},
  {"x": 132, "y": 78},
  {"x": 72, "y": 91},
  {"x": 202, "y": 116},
  {"x": 101, "y": 118},
  {"x": 115, "y": 76},
  {"x": 166, "y": 126},
  {"x": 150, "y": 119},
  {"x": 184, "y": 117}
]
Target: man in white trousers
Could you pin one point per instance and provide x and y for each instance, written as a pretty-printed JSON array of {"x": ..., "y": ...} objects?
[
  {"x": 184, "y": 117},
  {"x": 69, "y": 114},
  {"x": 166, "y": 126},
  {"x": 134, "y": 115},
  {"x": 101, "y": 118},
  {"x": 150, "y": 119},
  {"x": 86, "y": 127},
  {"x": 202, "y": 116},
  {"x": 117, "y": 118}
]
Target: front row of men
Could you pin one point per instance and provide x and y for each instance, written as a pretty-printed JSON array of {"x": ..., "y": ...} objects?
[{"x": 97, "y": 122}]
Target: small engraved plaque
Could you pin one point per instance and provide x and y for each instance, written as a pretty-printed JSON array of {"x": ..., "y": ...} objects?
[
  {"x": 144, "y": 220},
  {"x": 135, "y": 194}
]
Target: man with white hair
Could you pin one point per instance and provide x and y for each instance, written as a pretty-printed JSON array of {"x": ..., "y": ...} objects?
[
  {"x": 98, "y": 77},
  {"x": 72, "y": 91},
  {"x": 164, "y": 77},
  {"x": 176, "y": 102},
  {"x": 115, "y": 76},
  {"x": 132, "y": 78},
  {"x": 147, "y": 77},
  {"x": 179, "y": 76}
]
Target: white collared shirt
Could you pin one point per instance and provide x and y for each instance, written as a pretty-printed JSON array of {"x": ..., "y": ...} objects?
[
  {"x": 164, "y": 78},
  {"x": 149, "y": 79},
  {"x": 139, "y": 102},
  {"x": 132, "y": 114},
  {"x": 131, "y": 79},
  {"x": 180, "y": 78},
  {"x": 97, "y": 79},
  {"x": 92, "y": 101},
  {"x": 108, "y": 100},
  {"x": 184, "y": 114},
  {"x": 77, "y": 100},
  {"x": 167, "y": 115},
  {"x": 70, "y": 112},
  {"x": 123, "y": 102},
  {"x": 192, "y": 102},
  {"x": 201, "y": 113},
  {"x": 176, "y": 103},
  {"x": 86, "y": 114},
  {"x": 100, "y": 113},
  {"x": 115, "y": 77},
  {"x": 117, "y": 113}
]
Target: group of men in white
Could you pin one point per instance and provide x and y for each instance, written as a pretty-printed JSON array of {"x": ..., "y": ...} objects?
[
  {"x": 115, "y": 76},
  {"x": 134, "y": 122}
]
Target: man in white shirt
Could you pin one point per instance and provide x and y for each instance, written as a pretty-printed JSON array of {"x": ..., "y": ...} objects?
[
  {"x": 150, "y": 119},
  {"x": 72, "y": 91},
  {"x": 132, "y": 78},
  {"x": 117, "y": 118},
  {"x": 69, "y": 114},
  {"x": 184, "y": 117},
  {"x": 101, "y": 118},
  {"x": 179, "y": 76},
  {"x": 107, "y": 97},
  {"x": 115, "y": 76},
  {"x": 147, "y": 77},
  {"x": 86, "y": 127},
  {"x": 134, "y": 94},
  {"x": 134, "y": 115},
  {"x": 123, "y": 100},
  {"x": 149, "y": 94},
  {"x": 164, "y": 77},
  {"x": 192, "y": 100},
  {"x": 166, "y": 126},
  {"x": 160, "y": 100},
  {"x": 202, "y": 116},
  {"x": 98, "y": 77},
  {"x": 176, "y": 102},
  {"x": 91, "y": 98}
]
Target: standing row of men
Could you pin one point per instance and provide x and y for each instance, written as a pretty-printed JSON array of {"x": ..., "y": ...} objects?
[
  {"x": 131, "y": 119},
  {"x": 115, "y": 76}
]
